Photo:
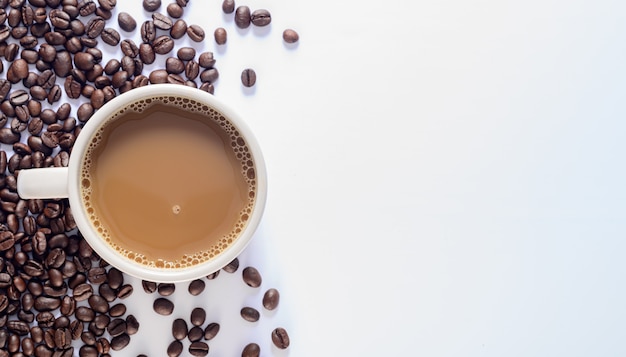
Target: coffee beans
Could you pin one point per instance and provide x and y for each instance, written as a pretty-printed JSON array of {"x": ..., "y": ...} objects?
[
  {"x": 248, "y": 77},
  {"x": 250, "y": 314},
  {"x": 260, "y": 17},
  {"x": 126, "y": 22},
  {"x": 220, "y": 35},
  {"x": 242, "y": 17},
  {"x": 195, "y": 33},
  {"x": 271, "y": 299},
  {"x": 151, "y": 5},
  {"x": 163, "y": 306},
  {"x": 251, "y": 350},
  {"x": 290, "y": 36}
]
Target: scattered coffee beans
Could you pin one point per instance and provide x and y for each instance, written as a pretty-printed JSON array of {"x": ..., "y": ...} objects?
[
  {"x": 290, "y": 36},
  {"x": 163, "y": 306},
  {"x": 248, "y": 77},
  {"x": 220, "y": 35},
  {"x": 151, "y": 5},
  {"x": 271, "y": 299},
  {"x": 126, "y": 21},
  {"x": 242, "y": 17},
  {"x": 250, "y": 314},
  {"x": 260, "y": 17},
  {"x": 280, "y": 338},
  {"x": 251, "y": 350}
]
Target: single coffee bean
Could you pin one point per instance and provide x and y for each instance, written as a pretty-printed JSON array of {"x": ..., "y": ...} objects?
[
  {"x": 242, "y": 17},
  {"x": 232, "y": 266},
  {"x": 20, "y": 328},
  {"x": 252, "y": 277},
  {"x": 271, "y": 299},
  {"x": 228, "y": 6},
  {"x": 19, "y": 97},
  {"x": 55, "y": 94},
  {"x": 157, "y": 76},
  {"x": 98, "y": 304},
  {"x": 248, "y": 77},
  {"x": 115, "y": 278},
  {"x": 87, "y": 351},
  {"x": 290, "y": 36},
  {"x": 151, "y": 5},
  {"x": 125, "y": 291},
  {"x": 148, "y": 31},
  {"x": 82, "y": 292},
  {"x": 161, "y": 21},
  {"x": 195, "y": 334},
  {"x": 132, "y": 325},
  {"x": 166, "y": 289},
  {"x": 112, "y": 66},
  {"x": 260, "y": 17},
  {"x": 95, "y": 26},
  {"x": 146, "y": 53},
  {"x": 280, "y": 338},
  {"x": 220, "y": 35},
  {"x": 186, "y": 53},
  {"x": 174, "y": 349},
  {"x": 62, "y": 338},
  {"x": 174, "y": 10},
  {"x": 84, "y": 61},
  {"x": 126, "y": 22},
  {"x": 195, "y": 33},
  {"x": 209, "y": 75},
  {"x": 250, "y": 314},
  {"x": 163, "y": 306},
  {"x": 84, "y": 112},
  {"x": 206, "y": 60},
  {"x": 211, "y": 330},
  {"x": 19, "y": 68},
  {"x": 149, "y": 286},
  {"x": 97, "y": 98},
  {"x": 196, "y": 287},
  {"x": 198, "y": 349},
  {"x": 86, "y": 7},
  {"x": 174, "y": 65},
  {"x": 72, "y": 87},
  {"x": 96, "y": 275},
  {"x": 251, "y": 350},
  {"x": 28, "y": 43},
  {"x": 198, "y": 315},
  {"x": 179, "y": 29},
  {"x": 163, "y": 44},
  {"x": 116, "y": 327},
  {"x": 107, "y": 4},
  {"x": 117, "y": 310},
  {"x": 45, "y": 303},
  {"x": 7, "y": 136},
  {"x": 59, "y": 19},
  {"x": 110, "y": 36},
  {"x": 68, "y": 305},
  {"x": 179, "y": 329},
  {"x": 119, "y": 342},
  {"x": 84, "y": 314}
]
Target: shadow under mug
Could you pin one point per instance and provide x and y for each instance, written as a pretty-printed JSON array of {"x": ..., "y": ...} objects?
[{"x": 65, "y": 182}]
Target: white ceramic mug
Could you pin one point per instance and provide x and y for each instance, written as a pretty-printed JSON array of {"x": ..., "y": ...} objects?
[{"x": 65, "y": 182}]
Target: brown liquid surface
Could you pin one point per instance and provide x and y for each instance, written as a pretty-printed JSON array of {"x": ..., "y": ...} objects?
[{"x": 166, "y": 187}]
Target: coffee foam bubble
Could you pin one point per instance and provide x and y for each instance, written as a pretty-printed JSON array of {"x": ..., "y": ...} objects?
[{"x": 239, "y": 147}]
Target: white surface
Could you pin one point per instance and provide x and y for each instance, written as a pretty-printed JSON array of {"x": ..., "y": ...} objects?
[{"x": 446, "y": 179}]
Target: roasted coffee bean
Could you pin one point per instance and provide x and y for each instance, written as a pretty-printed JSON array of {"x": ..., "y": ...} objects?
[
  {"x": 20, "y": 328},
  {"x": 132, "y": 325},
  {"x": 196, "y": 287},
  {"x": 175, "y": 79},
  {"x": 76, "y": 329},
  {"x": 82, "y": 292},
  {"x": 186, "y": 53},
  {"x": 126, "y": 21},
  {"x": 102, "y": 81},
  {"x": 107, "y": 5},
  {"x": 86, "y": 7},
  {"x": 163, "y": 306},
  {"x": 116, "y": 327},
  {"x": 290, "y": 36},
  {"x": 45, "y": 303},
  {"x": 55, "y": 38},
  {"x": 33, "y": 268},
  {"x": 98, "y": 304},
  {"x": 179, "y": 29},
  {"x": 40, "y": 30},
  {"x": 84, "y": 61},
  {"x": 102, "y": 345},
  {"x": 242, "y": 17},
  {"x": 166, "y": 289},
  {"x": 46, "y": 79},
  {"x": 251, "y": 350},
  {"x": 175, "y": 10},
  {"x": 119, "y": 342},
  {"x": 28, "y": 43},
  {"x": 55, "y": 94},
  {"x": 149, "y": 286},
  {"x": 206, "y": 60},
  {"x": 84, "y": 112},
  {"x": 72, "y": 88},
  {"x": 129, "y": 48},
  {"x": 110, "y": 36},
  {"x": 198, "y": 349},
  {"x": 198, "y": 315},
  {"x": 59, "y": 19},
  {"x": 68, "y": 305},
  {"x": 148, "y": 31},
  {"x": 151, "y": 5},
  {"x": 55, "y": 277},
  {"x": 157, "y": 76},
  {"x": 174, "y": 349},
  {"x": 87, "y": 351},
  {"x": 96, "y": 275},
  {"x": 250, "y": 314},
  {"x": 19, "y": 68},
  {"x": 62, "y": 338},
  {"x": 106, "y": 292},
  {"x": 117, "y": 310},
  {"x": 5, "y": 278},
  {"x": 84, "y": 314},
  {"x": 209, "y": 75},
  {"x": 179, "y": 329},
  {"x": 89, "y": 42},
  {"x": 248, "y": 77},
  {"x": 128, "y": 64},
  {"x": 195, "y": 334},
  {"x": 125, "y": 291},
  {"x": 228, "y": 6},
  {"x": 161, "y": 21},
  {"x": 146, "y": 53},
  {"x": 220, "y": 35},
  {"x": 211, "y": 331},
  {"x": 280, "y": 338},
  {"x": 174, "y": 65},
  {"x": 232, "y": 266},
  {"x": 19, "y": 97},
  {"x": 252, "y": 277},
  {"x": 101, "y": 321},
  {"x": 95, "y": 26},
  {"x": 115, "y": 278},
  {"x": 163, "y": 44},
  {"x": 261, "y": 17},
  {"x": 5, "y": 88},
  {"x": 271, "y": 299},
  {"x": 195, "y": 33},
  {"x": 112, "y": 66},
  {"x": 97, "y": 99}
]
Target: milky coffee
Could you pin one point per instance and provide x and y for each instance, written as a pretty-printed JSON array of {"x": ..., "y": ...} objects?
[{"x": 168, "y": 182}]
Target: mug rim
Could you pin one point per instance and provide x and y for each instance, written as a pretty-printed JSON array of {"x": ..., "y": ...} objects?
[{"x": 108, "y": 253}]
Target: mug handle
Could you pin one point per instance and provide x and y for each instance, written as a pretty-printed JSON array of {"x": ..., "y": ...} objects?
[{"x": 48, "y": 182}]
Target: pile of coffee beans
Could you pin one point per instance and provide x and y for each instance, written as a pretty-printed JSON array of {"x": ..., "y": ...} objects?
[{"x": 55, "y": 291}]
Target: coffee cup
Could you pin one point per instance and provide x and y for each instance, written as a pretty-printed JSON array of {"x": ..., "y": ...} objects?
[{"x": 165, "y": 182}]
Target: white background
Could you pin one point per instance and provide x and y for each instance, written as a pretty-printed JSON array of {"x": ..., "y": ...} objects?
[{"x": 446, "y": 179}]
